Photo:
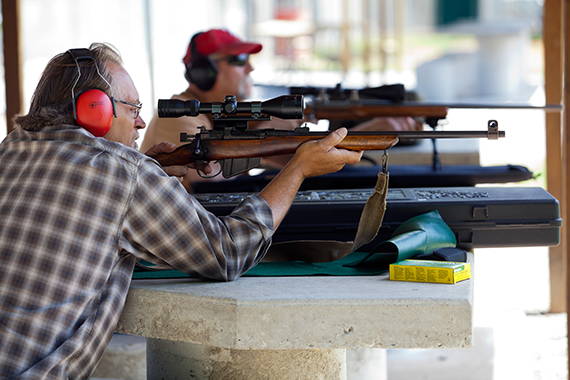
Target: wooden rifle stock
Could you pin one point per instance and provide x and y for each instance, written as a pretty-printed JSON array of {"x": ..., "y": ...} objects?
[
  {"x": 213, "y": 145},
  {"x": 221, "y": 149}
]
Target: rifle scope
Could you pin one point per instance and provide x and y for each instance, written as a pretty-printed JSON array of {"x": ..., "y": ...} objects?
[{"x": 284, "y": 107}]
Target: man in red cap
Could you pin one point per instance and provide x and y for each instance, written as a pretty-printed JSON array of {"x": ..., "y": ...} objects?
[{"x": 217, "y": 64}]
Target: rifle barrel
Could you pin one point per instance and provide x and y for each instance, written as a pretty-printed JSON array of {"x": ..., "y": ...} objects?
[
  {"x": 515, "y": 106},
  {"x": 367, "y": 108},
  {"x": 434, "y": 134}
]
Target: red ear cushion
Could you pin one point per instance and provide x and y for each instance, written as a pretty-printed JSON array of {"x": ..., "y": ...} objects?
[{"x": 94, "y": 112}]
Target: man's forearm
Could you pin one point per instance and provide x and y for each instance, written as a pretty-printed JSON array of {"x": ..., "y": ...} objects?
[
  {"x": 311, "y": 159},
  {"x": 281, "y": 191}
]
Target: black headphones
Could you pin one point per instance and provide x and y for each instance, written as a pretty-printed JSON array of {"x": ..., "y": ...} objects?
[
  {"x": 93, "y": 109},
  {"x": 202, "y": 71}
]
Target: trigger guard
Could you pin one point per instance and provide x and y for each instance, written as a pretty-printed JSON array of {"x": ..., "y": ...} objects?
[{"x": 202, "y": 173}]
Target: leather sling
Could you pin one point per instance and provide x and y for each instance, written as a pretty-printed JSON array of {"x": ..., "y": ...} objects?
[{"x": 327, "y": 250}]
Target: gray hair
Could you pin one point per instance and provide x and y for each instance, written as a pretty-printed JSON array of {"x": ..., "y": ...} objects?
[{"x": 52, "y": 102}]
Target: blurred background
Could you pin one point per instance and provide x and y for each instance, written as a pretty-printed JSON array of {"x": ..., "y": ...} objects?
[
  {"x": 445, "y": 50},
  {"x": 472, "y": 51}
]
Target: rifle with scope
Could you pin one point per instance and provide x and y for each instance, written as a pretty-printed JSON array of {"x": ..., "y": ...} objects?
[
  {"x": 338, "y": 104},
  {"x": 239, "y": 149}
]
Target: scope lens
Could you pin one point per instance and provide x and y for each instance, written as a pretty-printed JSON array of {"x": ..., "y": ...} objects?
[
  {"x": 284, "y": 107},
  {"x": 177, "y": 108}
]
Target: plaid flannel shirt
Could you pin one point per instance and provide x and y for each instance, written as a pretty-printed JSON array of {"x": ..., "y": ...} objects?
[{"x": 76, "y": 212}]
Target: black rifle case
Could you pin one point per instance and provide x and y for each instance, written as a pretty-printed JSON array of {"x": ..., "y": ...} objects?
[
  {"x": 480, "y": 217},
  {"x": 359, "y": 177}
]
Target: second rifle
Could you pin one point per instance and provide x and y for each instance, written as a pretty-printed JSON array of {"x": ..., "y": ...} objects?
[{"x": 239, "y": 149}]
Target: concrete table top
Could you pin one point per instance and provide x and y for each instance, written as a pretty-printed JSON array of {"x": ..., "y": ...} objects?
[{"x": 323, "y": 312}]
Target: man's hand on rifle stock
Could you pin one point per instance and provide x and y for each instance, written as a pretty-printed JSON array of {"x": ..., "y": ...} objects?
[
  {"x": 320, "y": 157},
  {"x": 175, "y": 170}
]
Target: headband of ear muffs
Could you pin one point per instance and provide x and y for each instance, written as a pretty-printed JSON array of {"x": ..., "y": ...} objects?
[
  {"x": 202, "y": 71},
  {"x": 93, "y": 109}
]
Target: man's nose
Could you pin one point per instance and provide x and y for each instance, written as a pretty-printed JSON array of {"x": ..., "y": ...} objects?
[
  {"x": 139, "y": 123},
  {"x": 248, "y": 66}
]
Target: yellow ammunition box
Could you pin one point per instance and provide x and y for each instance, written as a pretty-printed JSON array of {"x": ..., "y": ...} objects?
[{"x": 441, "y": 272}]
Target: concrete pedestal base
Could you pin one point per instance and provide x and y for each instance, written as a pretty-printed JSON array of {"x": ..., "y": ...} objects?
[
  {"x": 366, "y": 364},
  {"x": 125, "y": 359},
  {"x": 180, "y": 360}
]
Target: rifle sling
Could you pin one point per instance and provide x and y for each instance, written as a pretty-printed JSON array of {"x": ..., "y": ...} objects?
[{"x": 327, "y": 250}]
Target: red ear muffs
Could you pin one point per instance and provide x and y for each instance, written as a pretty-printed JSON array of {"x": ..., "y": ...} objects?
[{"x": 94, "y": 112}]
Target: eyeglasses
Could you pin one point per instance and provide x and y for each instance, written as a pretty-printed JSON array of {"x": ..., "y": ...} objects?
[
  {"x": 136, "y": 108},
  {"x": 236, "y": 60}
]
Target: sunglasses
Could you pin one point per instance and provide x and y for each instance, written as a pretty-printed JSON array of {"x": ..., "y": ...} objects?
[{"x": 236, "y": 60}]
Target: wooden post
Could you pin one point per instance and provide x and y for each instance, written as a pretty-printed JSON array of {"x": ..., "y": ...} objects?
[
  {"x": 12, "y": 60},
  {"x": 553, "y": 69},
  {"x": 566, "y": 139}
]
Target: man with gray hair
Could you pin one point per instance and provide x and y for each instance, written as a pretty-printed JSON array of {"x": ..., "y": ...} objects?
[{"x": 80, "y": 205}]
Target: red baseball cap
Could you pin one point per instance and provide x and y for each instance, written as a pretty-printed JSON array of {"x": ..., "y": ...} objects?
[{"x": 219, "y": 41}]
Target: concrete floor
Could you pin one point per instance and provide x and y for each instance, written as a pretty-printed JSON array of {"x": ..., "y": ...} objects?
[{"x": 513, "y": 336}]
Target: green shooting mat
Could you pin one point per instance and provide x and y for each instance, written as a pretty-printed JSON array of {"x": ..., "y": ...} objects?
[{"x": 419, "y": 235}]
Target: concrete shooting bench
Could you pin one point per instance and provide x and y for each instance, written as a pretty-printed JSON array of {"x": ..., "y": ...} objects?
[{"x": 289, "y": 327}]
